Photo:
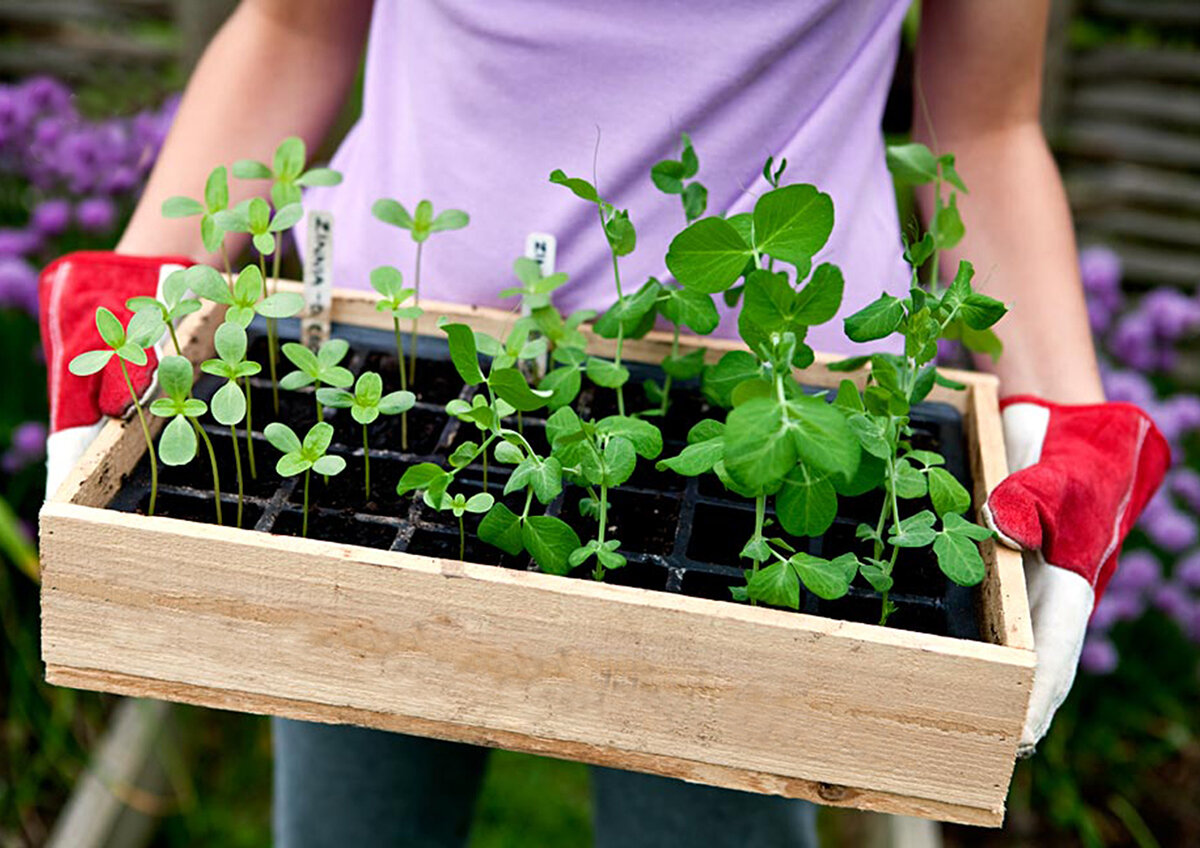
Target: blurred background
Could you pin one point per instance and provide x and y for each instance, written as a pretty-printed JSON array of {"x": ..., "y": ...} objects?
[{"x": 87, "y": 91}]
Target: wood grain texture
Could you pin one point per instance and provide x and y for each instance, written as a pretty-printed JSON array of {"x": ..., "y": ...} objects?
[{"x": 745, "y": 697}]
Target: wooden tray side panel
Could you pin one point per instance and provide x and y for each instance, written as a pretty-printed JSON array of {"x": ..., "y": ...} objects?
[{"x": 567, "y": 662}]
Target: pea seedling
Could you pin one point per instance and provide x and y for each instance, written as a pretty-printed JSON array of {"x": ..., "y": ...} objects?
[
  {"x": 420, "y": 225},
  {"x": 367, "y": 403},
  {"x": 389, "y": 283},
  {"x": 286, "y": 172},
  {"x": 229, "y": 404},
  {"x": 304, "y": 457},
  {"x": 626, "y": 314},
  {"x": 174, "y": 304},
  {"x": 459, "y": 505},
  {"x": 317, "y": 369},
  {"x": 216, "y": 200},
  {"x": 177, "y": 445},
  {"x": 126, "y": 344}
]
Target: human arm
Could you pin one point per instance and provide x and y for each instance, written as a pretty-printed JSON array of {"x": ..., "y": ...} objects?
[
  {"x": 978, "y": 95},
  {"x": 276, "y": 68}
]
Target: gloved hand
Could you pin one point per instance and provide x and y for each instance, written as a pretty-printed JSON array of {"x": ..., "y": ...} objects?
[
  {"x": 1079, "y": 478},
  {"x": 70, "y": 290}
]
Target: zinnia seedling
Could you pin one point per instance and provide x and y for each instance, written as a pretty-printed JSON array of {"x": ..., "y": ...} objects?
[
  {"x": 127, "y": 344},
  {"x": 229, "y": 404},
  {"x": 177, "y": 445},
  {"x": 216, "y": 200},
  {"x": 366, "y": 404},
  {"x": 286, "y": 172},
  {"x": 175, "y": 303},
  {"x": 304, "y": 457},
  {"x": 459, "y": 505},
  {"x": 244, "y": 303},
  {"x": 317, "y": 369},
  {"x": 420, "y": 225},
  {"x": 389, "y": 282}
]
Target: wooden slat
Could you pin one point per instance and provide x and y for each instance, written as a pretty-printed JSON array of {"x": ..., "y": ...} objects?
[
  {"x": 1137, "y": 102},
  {"x": 1115, "y": 185},
  {"x": 456, "y": 644},
  {"x": 1167, "y": 228},
  {"x": 1125, "y": 63},
  {"x": 1110, "y": 139}
]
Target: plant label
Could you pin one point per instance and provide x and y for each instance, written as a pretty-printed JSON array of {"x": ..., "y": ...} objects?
[
  {"x": 542, "y": 248},
  {"x": 318, "y": 279}
]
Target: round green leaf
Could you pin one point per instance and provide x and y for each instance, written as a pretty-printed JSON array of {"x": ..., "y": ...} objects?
[
  {"x": 550, "y": 541},
  {"x": 181, "y": 207},
  {"x": 230, "y": 342},
  {"x": 177, "y": 446},
  {"x": 248, "y": 169},
  {"x": 289, "y": 158},
  {"x": 286, "y": 218},
  {"x": 336, "y": 398},
  {"x": 329, "y": 465},
  {"x": 319, "y": 177},
  {"x": 388, "y": 281},
  {"x": 281, "y": 305},
  {"x": 708, "y": 256},
  {"x": 450, "y": 219},
  {"x": 393, "y": 403},
  {"x": 317, "y": 440},
  {"x": 369, "y": 388},
  {"x": 229, "y": 404},
  {"x": 291, "y": 464},
  {"x": 282, "y": 437},
  {"x": 392, "y": 212},
  {"x": 792, "y": 223},
  {"x": 175, "y": 377},
  {"x": 89, "y": 362},
  {"x": 110, "y": 328}
]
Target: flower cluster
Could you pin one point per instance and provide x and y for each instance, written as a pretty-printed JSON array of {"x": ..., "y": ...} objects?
[
  {"x": 73, "y": 178},
  {"x": 1161, "y": 566}
]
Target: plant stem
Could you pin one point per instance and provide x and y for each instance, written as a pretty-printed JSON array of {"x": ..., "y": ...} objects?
[
  {"x": 237, "y": 464},
  {"x": 249, "y": 430},
  {"x": 598, "y": 574},
  {"x": 412, "y": 351},
  {"x": 174, "y": 338},
  {"x": 145, "y": 432},
  {"x": 666, "y": 392},
  {"x": 212, "y": 461},
  {"x": 366, "y": 464},
  {"x": 462, "y": 540},
  {"x": 304, "y": 522},
  {"x": 228, "y": 267},
  {"x": 403, "y": 382},
  {"x": 485, "y": 470},
  {"x": 272, "y": 361}
]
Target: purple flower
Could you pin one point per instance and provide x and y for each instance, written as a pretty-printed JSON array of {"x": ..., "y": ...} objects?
[
  {"x": 46, "y": 94},
  {"x": 28, "y": 446},
  {"x": 1116, "y": 606},
  {"x": 1134, "y": 342},
  {"x": 18, "y": 285},
  {"x": 51, "y": 217},
  {"x": 1172, "y": 529},
  {"x": 1172, "y": 313},
  {"x": 1100, "y": 269},
  {"x": 1187, "y": 570},
  {"x": 1174, "y": 600},
  {"x": 1099, "y": 656},
  {"x": 96, "y": 214},
  {"x": 16, "y": 114},
  {"x": 1137, "y": 571},
  {"x": 14, "y": 242},
  {"x": 1176, "y": 416},
  {"x": 1185, "y": 482},
  {"x": 1128, "y": 386}
]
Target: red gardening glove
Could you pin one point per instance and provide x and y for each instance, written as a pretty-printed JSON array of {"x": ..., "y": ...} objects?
[
  {"x": 1080, "y": 477},
  {"x": 70, "y": 290}
]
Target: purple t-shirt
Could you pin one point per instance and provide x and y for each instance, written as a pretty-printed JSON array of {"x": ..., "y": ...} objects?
[{"x": 472, "y": 104}]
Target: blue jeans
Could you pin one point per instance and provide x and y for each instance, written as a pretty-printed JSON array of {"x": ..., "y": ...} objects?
[{"x": 347, "y": 786}]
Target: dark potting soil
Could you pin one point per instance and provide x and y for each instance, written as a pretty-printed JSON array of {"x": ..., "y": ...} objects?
[{"x": 678, "y": 534}]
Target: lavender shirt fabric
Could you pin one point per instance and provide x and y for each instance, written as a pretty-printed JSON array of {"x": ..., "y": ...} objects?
[{"x": 472, "y": 104}]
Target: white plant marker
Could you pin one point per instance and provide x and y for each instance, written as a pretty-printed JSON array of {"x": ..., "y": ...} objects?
[
  {"x": 318, "y": 279},
  {"x": 542, "y": 248}
]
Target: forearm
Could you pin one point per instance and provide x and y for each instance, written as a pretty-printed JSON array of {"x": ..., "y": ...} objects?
[
  {"x": 1020, "y": 240},
  {"x": 273, "y": 70}
]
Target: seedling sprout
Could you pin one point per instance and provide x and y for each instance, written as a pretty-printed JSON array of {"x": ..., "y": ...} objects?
[
  {"x": 177, "y": 445},
  {"x": 229, "y": 404},
  {"x": 366, "y": 403},
  {"x": 304, "y": 457}
]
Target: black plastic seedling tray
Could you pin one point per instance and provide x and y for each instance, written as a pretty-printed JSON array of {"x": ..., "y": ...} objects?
[{"x": 679, "y": 534}]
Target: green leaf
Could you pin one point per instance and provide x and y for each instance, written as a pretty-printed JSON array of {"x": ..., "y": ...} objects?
[
  {"x": 697, "y": 458},
  {"x": 229, "y": 404},
  {"x": 948, "y": 227},
  {"x": 828, "y": 579},
  {"x": 463, "y": 353},
  {"x": 319, "y": 177},
  {"x": 910, "y": 483},
  {"x": 916, "y": 531},
  {"x": 759, "y": 444},
  {"x": 392, "y": 212},
  {"x": 90, "y": 362},
  {"x": 695, "y": 200},
  {"x": 291, "y": 464},
  {"x": 449, "y": 219},
  {"x": 329, "y": 465},
  {"x": 685, "y": 366},
  {"x": 875, "y": 573},
  {"x": 792, "y": 223},
  {"x": 620, "y": 458},
  {"x": 619, "y": 230},
  {"x": 876, "y": 320},
  {"x": 508, "y": 453},
  {"x": 775, "y": 585},
  {"x": 336, "y": 398},
  {"x": 110, "y": 328},
  {"x": 289, "y": 158},
  {"x": 145, "y": 328},
  {"x": 959, "y": 559},
  {"x": 947, "y": 494},
  {"x": 823, "y": 438},
  {"x": 644, "y": 436},
  {"x": 580, "y": 187},
  {"x": 282, "y": 437},
  {"x": 733, "y": 368},
  {"x": 501, "y": 528},
  {"x": 544, "y": 476},
  {"x": 175, "y": 377},
  {"x": 317, "y": 440},
  {"x": 606, "y": 373},
  {"x": 708, "y": 256},
  {"x": 979, "y": 312},
  {"x": 301, "y": 357},
  {"x": 667, "y": 176},
  {"x": 911, "y": 164},
  {"x": 420, "y": 477},
  {"x": 394, "y": 403},
  {"x": 820, "y": 299},
  {"x": 960, "y": 526},
  {"x": 479, "y": 503},
  {"x": 550, "y": 542},
  {"x": 264, "y": 243},
  {"x": 181, "y": 207},
  {"x": 509, "y": 385},
  {"x": 248, "y": 169},
  {"x": 690, "y": 308},
  {"x": 624, "y": 316},
  {"x": 132, "y": 353},
  {"x": 807, "y": 503},
  {"x": 230, "y": 342},
  {"x": 286, "y": 218},
  {"x": 177, "y": 445},
  {"x": 563, "y": 384}
]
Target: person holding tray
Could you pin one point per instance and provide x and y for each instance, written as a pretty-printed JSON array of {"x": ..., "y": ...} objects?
[{"x": 470, "y": 104}]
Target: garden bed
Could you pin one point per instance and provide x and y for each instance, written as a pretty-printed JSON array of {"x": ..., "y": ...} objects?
[{"x": 374, "y": 620}]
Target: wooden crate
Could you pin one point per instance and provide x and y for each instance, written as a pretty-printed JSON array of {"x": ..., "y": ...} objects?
[{"x": 714, "y": 692}]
